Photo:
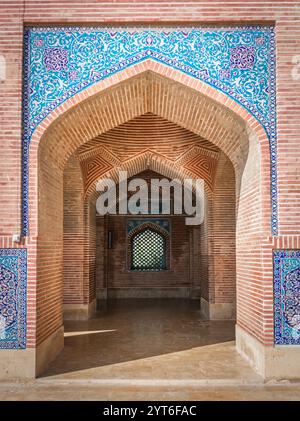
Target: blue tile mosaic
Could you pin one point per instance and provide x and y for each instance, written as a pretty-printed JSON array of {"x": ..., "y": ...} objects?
[
  {"x": 287, "y": 297},
  {"x": 60, "y": 62},
  {"x": 13, "y": 280}
]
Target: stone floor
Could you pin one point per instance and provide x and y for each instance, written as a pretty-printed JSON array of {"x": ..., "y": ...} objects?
[
  {"x": 149, "y": 350},
  {"x": 89, "y": 391}
]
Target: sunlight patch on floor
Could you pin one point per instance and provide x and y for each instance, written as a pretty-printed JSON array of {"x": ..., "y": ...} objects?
[{"x": 87, "y": 332}]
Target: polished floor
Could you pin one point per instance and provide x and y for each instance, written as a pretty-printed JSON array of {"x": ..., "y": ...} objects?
[
  {"x": 149, "y": 350},
  {"x": 151, "y": 341}
]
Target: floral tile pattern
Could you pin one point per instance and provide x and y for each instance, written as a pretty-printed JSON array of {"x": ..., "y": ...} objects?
[
  {"x": 242, "y": 57},
  {"x": 55, "y": 59},
  {"x": 287, "y": 296},
  {"x": 61, "y": 61},
  {"x": 13, "y": 280}
]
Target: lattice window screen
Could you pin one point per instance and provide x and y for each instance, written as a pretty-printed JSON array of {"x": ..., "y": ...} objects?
[{"x": 148, "y": 251}]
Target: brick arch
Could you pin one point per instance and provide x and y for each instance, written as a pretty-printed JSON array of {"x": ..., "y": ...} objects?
[
  {"x": 159, "y": 69},
  {"x": 226, "y": 123},
  {"x": 148, "y": 224},
  {"x": 192, "y": 104},
  {"x": 144, "y": 161}
]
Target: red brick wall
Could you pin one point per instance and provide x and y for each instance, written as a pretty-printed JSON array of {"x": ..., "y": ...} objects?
[
  {"x": 217, "y": 237},
  {"x": 178, "y": 276},
  {"x": 251, "y": 286},
  {"x": 90, "y": 252},
  {"x": 222, "y": 281},
  {"x": 195, "y": 260},
  {"x": 79, "y": 238},
  {"x": 254, "y": 254},
  {"x": 206, "y": 265},
  {"x": 74, "y": 230},
  {"x": 49, "y": 245},
  {"x": 117, "y": 274},
  {"x": 101, "y": 257}
]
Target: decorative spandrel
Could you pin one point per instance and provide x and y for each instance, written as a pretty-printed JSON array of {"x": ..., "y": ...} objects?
[
  {"x": 287, "y": 297},
  {"x": 62, "y": 61},
  {"x": 13, "y": 278}
]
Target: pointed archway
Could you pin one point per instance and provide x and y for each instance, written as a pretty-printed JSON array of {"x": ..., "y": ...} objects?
[{"x": 149, "y": 87}]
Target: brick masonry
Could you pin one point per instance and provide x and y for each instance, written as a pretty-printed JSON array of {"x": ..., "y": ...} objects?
[
  {"x": 254, "y": 240},
  {"x": 133, "y": 91},
  {"x": 121, "y": 146},
  {"x": 114, "y": 272}
]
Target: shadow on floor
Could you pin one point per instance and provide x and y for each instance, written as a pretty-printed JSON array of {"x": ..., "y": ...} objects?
[{"x": 129, "y": 330}]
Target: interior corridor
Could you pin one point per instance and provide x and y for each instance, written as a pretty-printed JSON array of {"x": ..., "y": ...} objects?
[{"x": 150, "y": 341}]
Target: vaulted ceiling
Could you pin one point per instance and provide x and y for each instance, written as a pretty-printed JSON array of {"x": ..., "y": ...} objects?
[{"x": 148, "y": 136}]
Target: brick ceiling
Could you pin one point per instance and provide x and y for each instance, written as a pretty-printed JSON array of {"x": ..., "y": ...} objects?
[
  {"x": 147, "y": 122},
  {"x": 144, "y": 136},
  {"x": 147, "y": 131}
]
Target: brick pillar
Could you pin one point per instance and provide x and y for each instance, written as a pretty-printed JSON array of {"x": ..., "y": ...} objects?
[{"x": 78, "y": 241}]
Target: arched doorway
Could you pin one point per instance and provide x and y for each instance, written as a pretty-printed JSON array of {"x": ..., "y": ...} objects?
[{"x": 190, "y": 105}]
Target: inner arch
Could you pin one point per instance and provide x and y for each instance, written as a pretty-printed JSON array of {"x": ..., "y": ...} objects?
[{"x": 83, "y": 132}]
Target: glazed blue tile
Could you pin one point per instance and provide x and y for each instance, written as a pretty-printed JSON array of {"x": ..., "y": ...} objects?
[
  {"x": 286, "y": 297},
  {"x": 62, "y": 61},
  {"x": 13, "y": 280}
]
